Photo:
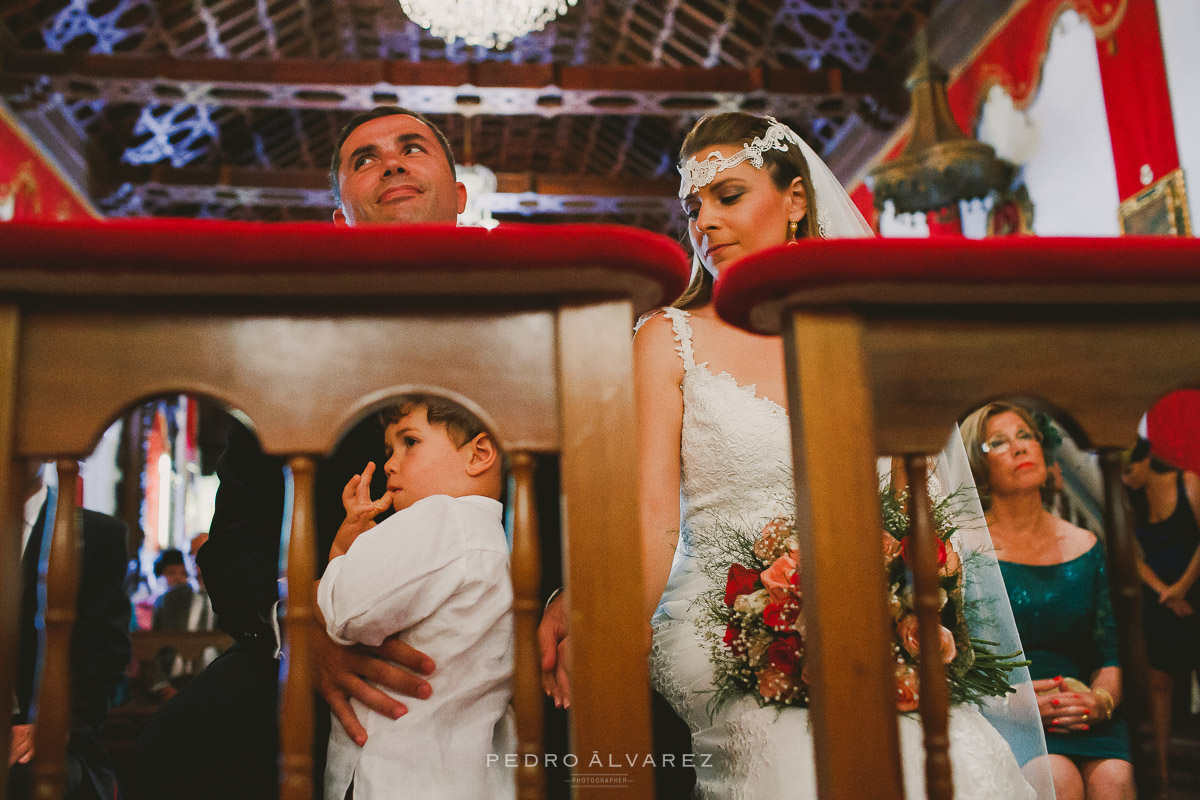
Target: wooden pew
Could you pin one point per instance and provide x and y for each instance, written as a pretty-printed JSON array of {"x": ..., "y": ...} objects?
[
  {"x": 890, "y": 342},
  {"x": 304, "y": 329}
]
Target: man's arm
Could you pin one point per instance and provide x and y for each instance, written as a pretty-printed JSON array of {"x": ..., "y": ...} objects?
[
  {"x": 100, "y": 648},
  {"x": 240, "y": 563},
  {"x": 240, "y": 560}
]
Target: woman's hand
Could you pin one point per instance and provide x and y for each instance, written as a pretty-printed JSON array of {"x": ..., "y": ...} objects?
[
  {"x": 21, "y": 748},
  {"x": 361, "y": 511},
  {"x": 1064, "y": 711},
  {"x": 552, "y": 641},
  {"x": 1176, "y": 591},
  {"x": 1180, "y": 607}
]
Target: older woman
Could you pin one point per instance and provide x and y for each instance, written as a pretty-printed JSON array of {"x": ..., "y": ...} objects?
[{"x": 1055, "y": 575}]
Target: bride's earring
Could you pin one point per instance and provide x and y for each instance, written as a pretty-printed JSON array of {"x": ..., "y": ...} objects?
[{"x": 793, "y": 228}]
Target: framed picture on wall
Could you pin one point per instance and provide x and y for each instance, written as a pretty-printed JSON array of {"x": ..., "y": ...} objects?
[{"x": 1160, "y": 210}]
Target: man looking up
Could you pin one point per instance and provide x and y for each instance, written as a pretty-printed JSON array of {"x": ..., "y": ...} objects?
[
  {"x": 395, "y": 168},
  {"x": 218, "y": 736}
]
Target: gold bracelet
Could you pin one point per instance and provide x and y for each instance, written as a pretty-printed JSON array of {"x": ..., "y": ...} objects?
[{"x": 1107, "y": 700}]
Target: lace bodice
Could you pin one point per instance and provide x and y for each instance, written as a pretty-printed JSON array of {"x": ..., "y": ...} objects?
[{"x": 735, "y": 454}]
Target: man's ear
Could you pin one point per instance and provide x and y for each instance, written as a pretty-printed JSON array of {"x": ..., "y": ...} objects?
[
  {"x": 339, "y": 218},
  {"x": 460, "y": 192},
  {"x": 797, "y": 200},
  {"x": 483, "y": 454}
]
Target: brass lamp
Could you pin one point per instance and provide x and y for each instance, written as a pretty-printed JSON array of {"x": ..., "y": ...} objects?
[{"x": 940, "y": 165}]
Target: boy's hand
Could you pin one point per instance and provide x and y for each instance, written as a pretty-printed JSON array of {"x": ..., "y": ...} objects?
[{"x": 361, "y": 510}]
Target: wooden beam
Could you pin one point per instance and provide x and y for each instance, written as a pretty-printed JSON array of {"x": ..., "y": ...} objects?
[{"x": 441, "y": 87}]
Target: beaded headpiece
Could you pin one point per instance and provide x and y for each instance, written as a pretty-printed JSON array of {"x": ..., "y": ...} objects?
[{"x": 697, "y": 174}]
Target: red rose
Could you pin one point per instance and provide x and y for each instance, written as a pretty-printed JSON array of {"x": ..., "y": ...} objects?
[
  {"x": 734, "y": 640},
  {"x": 905, "y": 544},
  {"x": 781, "y": 616},
  {"x": 784, "y": 654},
  {"x": 739, "y": 581}
]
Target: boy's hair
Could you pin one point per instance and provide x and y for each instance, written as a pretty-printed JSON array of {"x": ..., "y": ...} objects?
[{"x": 461, "y": 424}]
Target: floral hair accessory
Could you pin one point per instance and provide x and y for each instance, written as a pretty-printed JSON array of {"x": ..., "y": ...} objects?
[{"x": 698, "y": 174}]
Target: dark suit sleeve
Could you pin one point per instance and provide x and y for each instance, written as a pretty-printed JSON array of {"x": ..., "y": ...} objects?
[
  {"x": 100, "y": 640},
  {"x": 240, "y": 560}
]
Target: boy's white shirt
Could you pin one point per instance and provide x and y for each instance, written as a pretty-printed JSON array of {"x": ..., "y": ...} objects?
[{"x": 437, "y": 572}]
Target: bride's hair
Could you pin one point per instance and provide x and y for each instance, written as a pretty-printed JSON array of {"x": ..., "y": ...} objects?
[{"x": 738, "y": 128}]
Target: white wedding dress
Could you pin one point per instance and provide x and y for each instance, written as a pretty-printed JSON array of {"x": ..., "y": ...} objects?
[{"x": 735, "y": 459}]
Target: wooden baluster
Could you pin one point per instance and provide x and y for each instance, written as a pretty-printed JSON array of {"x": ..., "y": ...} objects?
[
  {"x": 527, "y": 611},
  {"x": 935, "y": 694},
  {"x": 12, "y": 487},
  {"x": 1126, "y": 591},
  {"x": 849, "y": 650},
  {"x": 610, "y": 689},
  {"x": 296, "y": 674},
  {"x": 62, "y": 589}
]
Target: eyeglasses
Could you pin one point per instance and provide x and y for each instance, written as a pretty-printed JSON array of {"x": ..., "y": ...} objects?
[{"x": 1000, "y": 443}]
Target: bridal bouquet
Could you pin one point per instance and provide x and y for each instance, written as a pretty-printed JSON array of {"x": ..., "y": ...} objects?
[{"x": 753, "y": 613}]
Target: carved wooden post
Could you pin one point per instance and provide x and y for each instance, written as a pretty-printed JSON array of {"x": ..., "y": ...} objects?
[
  {"x": 935, "y": 695},
  {"x": 296, "y": 676},
  {"x": 527, "y": 610},
  {"x": 610, "y": 689},
  {"x": 12, "y": 487},
  {"x": 1126, "y": 589},
  {"x": 62, "y": 589},
  {"x": 853, "y": 706}
]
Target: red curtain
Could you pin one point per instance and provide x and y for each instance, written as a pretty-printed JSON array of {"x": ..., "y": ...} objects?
[{"x": 31, "y": 186}]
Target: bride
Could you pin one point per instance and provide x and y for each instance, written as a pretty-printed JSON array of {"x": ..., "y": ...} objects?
[{"x": 715, "y": 446}]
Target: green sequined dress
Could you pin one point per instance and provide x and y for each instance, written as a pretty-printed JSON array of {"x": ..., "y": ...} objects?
[{"x": 1064, "y": 616}]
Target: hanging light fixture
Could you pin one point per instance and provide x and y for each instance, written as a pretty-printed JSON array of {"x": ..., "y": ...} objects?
[
  {"x": 940, "y": 165},
  {"x": 490, "y": 23},
  {"x": 481, "y": 185}
]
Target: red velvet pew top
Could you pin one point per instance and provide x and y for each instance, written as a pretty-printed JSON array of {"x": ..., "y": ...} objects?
[
  {"x": 753, "y": 292},
  {"x": 227, "y": 259}
]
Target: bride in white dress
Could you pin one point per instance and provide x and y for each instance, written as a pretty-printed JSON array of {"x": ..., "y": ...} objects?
[{"x": 715, "y": 447}]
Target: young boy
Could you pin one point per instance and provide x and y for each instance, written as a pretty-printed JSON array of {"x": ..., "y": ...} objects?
[{"x": 437, "y": 572}]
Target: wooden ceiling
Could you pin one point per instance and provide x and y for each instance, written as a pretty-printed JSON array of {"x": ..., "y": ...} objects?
[{"x": 230, "y": 108}]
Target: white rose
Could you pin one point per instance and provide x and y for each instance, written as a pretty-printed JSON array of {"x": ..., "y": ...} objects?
[{"x": 753, "y": 603}]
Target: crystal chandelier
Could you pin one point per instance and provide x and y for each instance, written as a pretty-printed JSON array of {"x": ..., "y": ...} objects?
[{"x": 490, "y": 23}]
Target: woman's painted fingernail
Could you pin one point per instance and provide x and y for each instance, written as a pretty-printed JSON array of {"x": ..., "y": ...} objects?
[
  {"x": 1058, "y": 678},
  {"x": 1056, "y": 722},
  {"x": 1085, "y": 727},
  {"x": 1056, "y": 702}
]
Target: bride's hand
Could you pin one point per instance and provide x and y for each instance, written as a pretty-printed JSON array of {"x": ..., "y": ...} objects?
[{"x": 552, "y": 640}]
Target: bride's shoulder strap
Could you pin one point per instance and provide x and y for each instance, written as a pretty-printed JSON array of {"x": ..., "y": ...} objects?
[{"x": 683, "y": 335}]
